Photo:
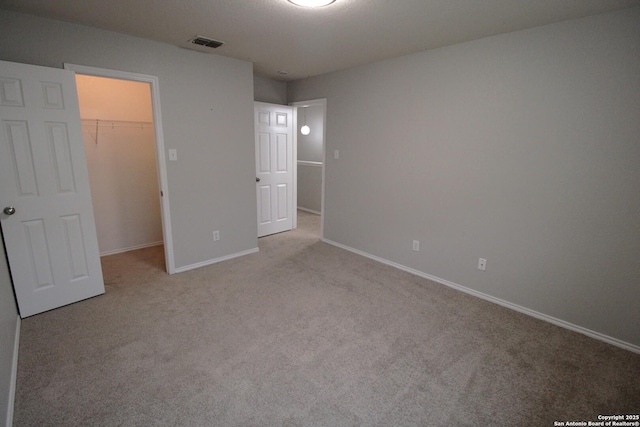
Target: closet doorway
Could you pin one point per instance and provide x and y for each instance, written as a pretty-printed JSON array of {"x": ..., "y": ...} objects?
[{"x": 120, "y": 130}]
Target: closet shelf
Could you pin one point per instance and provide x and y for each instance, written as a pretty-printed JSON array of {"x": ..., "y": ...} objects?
[
  {"x": 114, "y": 123},
  {"x": 97, "y": 124}
]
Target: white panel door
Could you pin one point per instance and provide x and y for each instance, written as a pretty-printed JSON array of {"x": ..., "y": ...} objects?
[
  {"x": 274, "y": 167},
  {"x": 47, "y": 218}
]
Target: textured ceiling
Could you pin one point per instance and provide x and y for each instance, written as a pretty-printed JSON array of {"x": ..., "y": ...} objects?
[{"x": 277, "y": 35}]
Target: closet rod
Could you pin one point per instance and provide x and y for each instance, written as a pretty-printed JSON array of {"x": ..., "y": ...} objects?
[
  {"x": 100, "y": 123},
  {"x": 114, "y": 123}
]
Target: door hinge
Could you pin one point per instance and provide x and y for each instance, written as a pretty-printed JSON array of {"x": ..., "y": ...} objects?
[{"x": 161, "y": 193}]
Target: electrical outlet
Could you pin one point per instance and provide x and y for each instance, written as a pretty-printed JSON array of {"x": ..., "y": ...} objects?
[
  {"x": 482, "y": 264},
  {"x": 416, "y": 245},
  {"x": 216, "y": 236}
]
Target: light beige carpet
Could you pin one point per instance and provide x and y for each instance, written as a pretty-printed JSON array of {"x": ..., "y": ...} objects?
[{"x": 305, "y": 334}]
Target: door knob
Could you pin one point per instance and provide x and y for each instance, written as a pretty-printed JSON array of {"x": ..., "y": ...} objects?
[
  {"x": 9, "y": 210},
  {"x": 257, "y": 179}
]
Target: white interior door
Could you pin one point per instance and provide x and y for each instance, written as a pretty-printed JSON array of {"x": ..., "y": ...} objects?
[
  {"x": 274, "y": 167},
  {"x": 47, "y": 222}
]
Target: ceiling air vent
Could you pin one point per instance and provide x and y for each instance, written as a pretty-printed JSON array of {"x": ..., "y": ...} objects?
[{"x": 203, "y": 41}]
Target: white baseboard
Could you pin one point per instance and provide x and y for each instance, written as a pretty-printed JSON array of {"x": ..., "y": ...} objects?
[
  {"x": 131, "y": 248},
  {"x": 14, "y": 375},
  {"x": 524, "y": 310},
  {"x": 215, "y": 260},
  {"x": 309, "y": 210}
]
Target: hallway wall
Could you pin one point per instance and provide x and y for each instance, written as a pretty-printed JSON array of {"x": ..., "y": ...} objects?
[{"x": 310, "y": 150}]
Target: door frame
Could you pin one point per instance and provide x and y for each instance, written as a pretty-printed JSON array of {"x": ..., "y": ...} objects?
[
  {"x": 322, "y": 102},
  {"x": 160, "y": 152}
]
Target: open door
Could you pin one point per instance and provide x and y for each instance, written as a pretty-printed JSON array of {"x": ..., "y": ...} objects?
[
  {"x": 47, "y": 219},
  {"x": 274, "y": 167}
]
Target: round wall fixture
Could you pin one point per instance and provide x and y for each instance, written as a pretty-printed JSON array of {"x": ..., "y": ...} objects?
[
  {"x": 305, "y": 130},
  {"x": 312, "y": 3}
]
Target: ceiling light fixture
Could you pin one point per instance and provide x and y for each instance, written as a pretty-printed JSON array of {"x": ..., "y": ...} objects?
[
  {"x": 305, "y": 130},
  {"x": 312, "y": 3}
]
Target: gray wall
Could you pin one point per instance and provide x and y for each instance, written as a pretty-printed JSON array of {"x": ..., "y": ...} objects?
[
  {"x": 8, "y": 322},
  {"x": 310, "y": 149},
  {"x": 269, "y": 90},
  {"x": 207, "y": 111},
  {"x": 521, "y": 148},
  {"x": 310, "y": 146}
]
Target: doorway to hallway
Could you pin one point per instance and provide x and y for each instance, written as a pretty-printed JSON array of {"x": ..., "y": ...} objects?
[{"x": 310, "y": 156}]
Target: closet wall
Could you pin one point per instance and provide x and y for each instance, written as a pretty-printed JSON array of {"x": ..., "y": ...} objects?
[
  {"x": 117, "y": 126},
  {"x": 310, "y": 159}
]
